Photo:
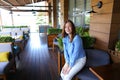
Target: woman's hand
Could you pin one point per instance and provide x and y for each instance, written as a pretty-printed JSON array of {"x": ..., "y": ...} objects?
[{"x": 66, "y": 68}]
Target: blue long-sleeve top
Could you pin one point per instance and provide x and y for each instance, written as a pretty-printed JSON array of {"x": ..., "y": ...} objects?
[{"x": 73, "y": 50}]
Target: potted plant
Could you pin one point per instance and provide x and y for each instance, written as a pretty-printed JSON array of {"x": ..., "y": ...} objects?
[
  {"x": 4, "y": 39},
  {"x": 60, "y": 43},
  {"x": 115, "y": 54},
  {"x": 88, "y": 42},
  {"x": 52, "y": 33}
]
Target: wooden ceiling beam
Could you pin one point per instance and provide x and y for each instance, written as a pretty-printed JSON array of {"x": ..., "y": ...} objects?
[
  {"x": 2, "y": 3},
  {"x": 23, "y": 6},
  {"x": 8, "y": 4},
  {"x": 35, "y": 1},
  {"x": 21, "y": 2},
  {"x": 13, "y": 2},
  {"x": 27, "y": 2},
  {"x": 41, "y": 0},
  {"x": 30, "y": 10},
  {"x": 6, "y": 8},
  {"x": 5, "y": 3}
]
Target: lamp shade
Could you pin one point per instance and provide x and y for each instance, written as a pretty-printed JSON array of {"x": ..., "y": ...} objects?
[
  {"x": 99, "y": 5},
  {"x": 92, "y": 11}
]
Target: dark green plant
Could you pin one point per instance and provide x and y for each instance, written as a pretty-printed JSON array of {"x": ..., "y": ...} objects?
[
  {"x": 60, "y": 43},
  {"x": 117, "y": 46},
  {"x": 82, "y": 31},
  {"x": 15, "y": 26},
  {"x": 54, "y": 31},
  {"x": 6, "y": 39},
  {"x": 88, "y": 42}
]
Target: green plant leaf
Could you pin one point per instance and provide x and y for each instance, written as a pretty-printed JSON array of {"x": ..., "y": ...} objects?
[{"x": 117, "y": 45}]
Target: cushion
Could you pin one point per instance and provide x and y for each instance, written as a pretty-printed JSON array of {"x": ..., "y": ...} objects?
[
  {"x": 5, "y": 47},
  {"x": 86, "y": 74},
  {"x": 3, "y": 65},
  {"x": 21, "y": 37},
  {"x": 4, "y": 56},
  {"x": 97, "y": 57}
]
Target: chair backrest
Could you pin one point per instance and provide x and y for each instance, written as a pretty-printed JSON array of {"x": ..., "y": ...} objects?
[
  {"x": 97, "y": 57},
  {"x": 5, "y": 33},
  {"x": 5, "y": 47}
]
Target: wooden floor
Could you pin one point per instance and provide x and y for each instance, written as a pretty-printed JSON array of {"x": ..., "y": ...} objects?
[{"x": 37, "y": 62}]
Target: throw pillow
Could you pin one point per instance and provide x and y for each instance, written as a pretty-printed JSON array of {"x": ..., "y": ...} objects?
[
  {"x": 21, "y": 37},
  {"x": 4, "y": 56}
]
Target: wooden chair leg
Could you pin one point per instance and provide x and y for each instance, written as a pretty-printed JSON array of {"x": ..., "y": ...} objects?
[
  {"x": 3, "y": 77},
  {"x": 76, "y": 78},
  {"x": 53, "y": 47}
]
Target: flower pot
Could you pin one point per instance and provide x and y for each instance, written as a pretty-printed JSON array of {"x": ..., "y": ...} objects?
[{"x": 115, "y": 56}]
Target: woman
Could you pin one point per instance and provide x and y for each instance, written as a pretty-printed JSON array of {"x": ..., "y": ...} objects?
[{"x": 74, "y": 53}]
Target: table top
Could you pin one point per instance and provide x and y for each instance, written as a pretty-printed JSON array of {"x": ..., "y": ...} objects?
[{"x": 107, "y": 72}]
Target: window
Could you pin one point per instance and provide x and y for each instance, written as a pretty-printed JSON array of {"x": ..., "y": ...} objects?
[{"x": 78, "y": 12}]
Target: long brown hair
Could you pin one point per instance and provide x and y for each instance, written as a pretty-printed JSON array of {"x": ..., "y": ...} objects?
[{"x": 64, "y": 34}]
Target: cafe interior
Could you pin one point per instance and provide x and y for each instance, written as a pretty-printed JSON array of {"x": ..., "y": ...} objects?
[{"x": 31, "y": 46}]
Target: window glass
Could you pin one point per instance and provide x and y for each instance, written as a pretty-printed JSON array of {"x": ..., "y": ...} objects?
[
  {"x": 71, "y": 7},
  {"x": 78, "y": 12}
]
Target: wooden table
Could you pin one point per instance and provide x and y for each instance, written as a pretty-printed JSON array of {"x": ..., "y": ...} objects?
[{"x": 107, "y": 72}]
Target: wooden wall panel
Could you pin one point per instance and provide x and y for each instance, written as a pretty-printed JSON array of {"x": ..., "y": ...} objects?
[
  {"x": 98, "y": 18},
  {"x": 100, "y": 25},
  {"x": 94, "y": 2},
  {"x": 101, "y": 43},
  {"x": 106, "y": 8},
  {"x": 103, "y": 28},
  {"x": 100, "y": 36}
]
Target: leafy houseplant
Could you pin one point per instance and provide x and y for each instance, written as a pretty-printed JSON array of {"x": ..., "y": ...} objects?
[
  {"x": 60, "y": 43},
  {"x": 82, "y": 31},
  {"x": 115, "y": 54},
  {"x": 117, "y": 46},
  {"x": 52, "y": 34},
  {"x": 54, "y": 31},
  {"x": 4, "y": 39},
  {"x": 88, "y": 42}
]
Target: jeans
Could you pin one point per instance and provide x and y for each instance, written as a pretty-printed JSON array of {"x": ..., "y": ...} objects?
[{"x": 75, "y": 69}]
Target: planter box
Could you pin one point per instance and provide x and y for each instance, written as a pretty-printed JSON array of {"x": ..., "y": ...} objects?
[
  {"x": 50, "y": 38},
  {"x": 115, "y": 56}
]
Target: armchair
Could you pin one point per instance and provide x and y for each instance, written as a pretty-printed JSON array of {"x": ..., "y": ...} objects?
[{"x": 5, "y": 55}]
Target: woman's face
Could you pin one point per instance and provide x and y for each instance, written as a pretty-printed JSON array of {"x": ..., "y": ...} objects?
[{"x": 68, "y": 28}]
